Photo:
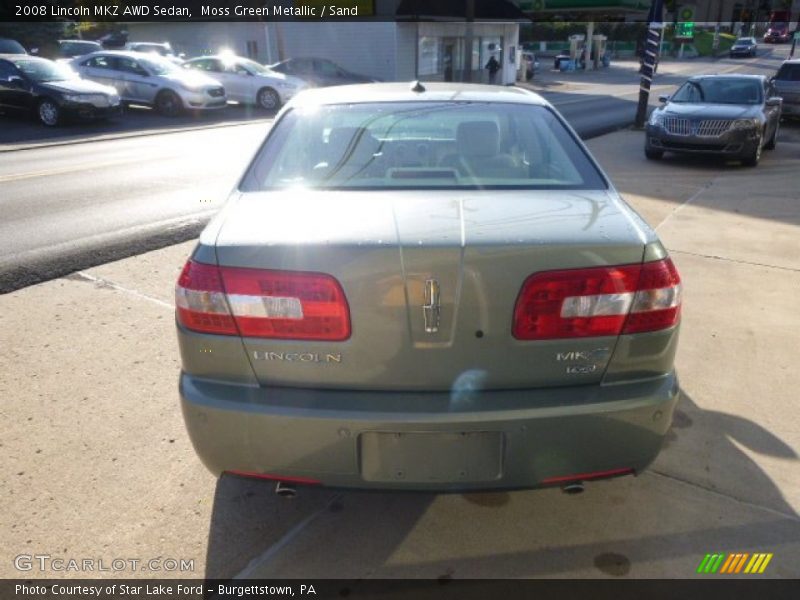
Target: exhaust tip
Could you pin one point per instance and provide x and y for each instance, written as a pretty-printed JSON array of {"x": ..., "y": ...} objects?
[
  {"x": 573, "y": 489},
  {"x": 285, "y": 490}
]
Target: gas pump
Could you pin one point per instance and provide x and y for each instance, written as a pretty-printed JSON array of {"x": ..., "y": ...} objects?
[
  {"x": 575, "y": 48},
  {"x": 598, "y": 50}
]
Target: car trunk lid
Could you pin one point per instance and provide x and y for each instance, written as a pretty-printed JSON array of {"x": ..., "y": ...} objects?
[{"x": 431, "y": 279}]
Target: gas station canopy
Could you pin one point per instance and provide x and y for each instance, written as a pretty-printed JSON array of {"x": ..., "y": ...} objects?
[{"x": 547, "y": 9}]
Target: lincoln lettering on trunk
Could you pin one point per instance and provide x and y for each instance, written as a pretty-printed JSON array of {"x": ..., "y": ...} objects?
[{"x": 305, "y": 357}]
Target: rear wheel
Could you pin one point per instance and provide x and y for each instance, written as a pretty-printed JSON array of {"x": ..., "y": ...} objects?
[
  {"x": 268, "y": 99},
  {"x": 168, "y": 103},
  {"x": 48, "y": 112}
]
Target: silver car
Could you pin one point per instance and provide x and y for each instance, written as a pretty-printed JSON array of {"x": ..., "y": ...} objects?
[
  {"x": 247, "y": 81},
  {"x": 427, "y": 286},
  {"x": 150, "y": 80}
]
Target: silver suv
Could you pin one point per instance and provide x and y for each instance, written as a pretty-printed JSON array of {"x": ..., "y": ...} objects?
[{"x": 153, "y": 81}]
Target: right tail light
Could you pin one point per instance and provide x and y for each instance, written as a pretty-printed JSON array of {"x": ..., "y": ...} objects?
[{"x": 598, "y": 301}]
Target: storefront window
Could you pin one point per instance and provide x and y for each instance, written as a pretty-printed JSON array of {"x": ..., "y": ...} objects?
[{"x": 443, "y": 58}]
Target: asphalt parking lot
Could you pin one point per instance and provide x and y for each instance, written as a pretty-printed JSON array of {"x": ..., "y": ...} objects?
[{"x": 99, "y": 464}]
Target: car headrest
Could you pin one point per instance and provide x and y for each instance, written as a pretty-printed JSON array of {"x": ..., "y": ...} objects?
[
  {"x": 359, "y": 139},
  {"x": 478, "y": 138}
]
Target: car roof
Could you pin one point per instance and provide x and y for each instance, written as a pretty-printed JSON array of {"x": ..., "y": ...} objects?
[
  {"x": 728, "y": 76},
  {"x": 791, "y": 61},
  {"x": 131, "y": 53},
  {"x": 222, "y": 57},
  {"x": 28, "y": 56},
  {"x": 434, "y": 92}
]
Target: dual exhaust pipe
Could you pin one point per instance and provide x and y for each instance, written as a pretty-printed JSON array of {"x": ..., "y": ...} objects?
[{"x": 285, "y": 490}]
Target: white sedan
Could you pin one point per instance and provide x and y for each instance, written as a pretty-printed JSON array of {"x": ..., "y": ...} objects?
[{"x": 247, "y": 81}]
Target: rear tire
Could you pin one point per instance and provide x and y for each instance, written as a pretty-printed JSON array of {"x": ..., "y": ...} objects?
[
  {"x": 168, "y": 103},
  {"x": 268, "y": 99},
  {"x": 48, "y": 112}
]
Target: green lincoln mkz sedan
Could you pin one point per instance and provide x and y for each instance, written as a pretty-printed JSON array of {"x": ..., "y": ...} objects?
[{"x": 428, "y": 287}]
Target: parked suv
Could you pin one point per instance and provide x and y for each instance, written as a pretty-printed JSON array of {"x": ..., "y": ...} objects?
[
  {"x": 787, "y": 86},
  {"x": 153, "y": 81}
]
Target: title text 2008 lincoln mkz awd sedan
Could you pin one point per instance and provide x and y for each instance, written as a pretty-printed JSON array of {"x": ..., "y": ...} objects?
[{"x": 427, "y": 287}]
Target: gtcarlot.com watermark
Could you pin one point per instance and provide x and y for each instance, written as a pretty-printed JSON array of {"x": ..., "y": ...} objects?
[{"x": 47, "y": 563}]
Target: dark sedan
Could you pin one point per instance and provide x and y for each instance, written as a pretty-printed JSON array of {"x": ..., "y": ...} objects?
[
  {"x": 68, "y": 49},
  {"x": 319, "y": 72},
  {"x": 52, "y": 91},
  {"x": 744, "y": 47},
  {"x": 734, "y": 116}
]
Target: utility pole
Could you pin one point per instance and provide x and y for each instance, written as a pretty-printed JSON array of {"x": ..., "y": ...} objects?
[{"x": 655, "y": 24}]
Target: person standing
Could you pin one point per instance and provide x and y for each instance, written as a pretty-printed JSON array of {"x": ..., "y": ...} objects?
[{"x": 493, "y": 67}]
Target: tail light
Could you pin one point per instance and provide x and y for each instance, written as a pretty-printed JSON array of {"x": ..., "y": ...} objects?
[
  {"x": 261, "y": 303},
  {"x": 598, "y": 301}
]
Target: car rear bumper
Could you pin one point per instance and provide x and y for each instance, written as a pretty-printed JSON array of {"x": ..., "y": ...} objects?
[{"x": 429, "y": 441}]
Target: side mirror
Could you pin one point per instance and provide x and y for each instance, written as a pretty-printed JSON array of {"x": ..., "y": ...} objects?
[
  {"x": 774, "y": 101},
  {"x": 17, "y": 82},
  {"x": 663, "y": 99}
]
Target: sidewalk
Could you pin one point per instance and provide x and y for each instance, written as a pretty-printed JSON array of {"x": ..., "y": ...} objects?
[
  {"x": 98, "y": 463},
  {"x": 625, "y": 73}
]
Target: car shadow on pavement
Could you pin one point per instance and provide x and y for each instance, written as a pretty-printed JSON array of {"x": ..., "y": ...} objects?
[{"x": 703, "y": 494}]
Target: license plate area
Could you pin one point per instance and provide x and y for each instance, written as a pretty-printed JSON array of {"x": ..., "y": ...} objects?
[{"x": 427, "y": 457}]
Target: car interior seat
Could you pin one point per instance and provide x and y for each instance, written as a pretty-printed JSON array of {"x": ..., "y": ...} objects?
[{"x": 478, "y": 152}]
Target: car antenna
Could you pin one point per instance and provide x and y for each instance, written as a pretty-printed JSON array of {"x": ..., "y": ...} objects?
[{"x": 417, "y": 87}]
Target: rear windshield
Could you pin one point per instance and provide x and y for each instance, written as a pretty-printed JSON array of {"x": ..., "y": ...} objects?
[
  {"x": 789, "y": 72},
  {"x": 719, "y": 91},
  {"x": 422, "y": 145}
]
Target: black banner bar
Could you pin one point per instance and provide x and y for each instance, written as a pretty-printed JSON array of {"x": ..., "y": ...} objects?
[{"x": 740, "y": 587}]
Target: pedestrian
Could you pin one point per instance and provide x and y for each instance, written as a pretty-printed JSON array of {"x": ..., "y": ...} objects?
[{"x": 493, "y": 67}]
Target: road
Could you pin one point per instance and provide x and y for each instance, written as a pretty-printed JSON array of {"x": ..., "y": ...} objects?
[{"x": 69, "y": 206}]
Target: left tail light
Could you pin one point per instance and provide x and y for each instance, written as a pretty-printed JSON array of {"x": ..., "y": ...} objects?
[{"x": 261, "y": 303}]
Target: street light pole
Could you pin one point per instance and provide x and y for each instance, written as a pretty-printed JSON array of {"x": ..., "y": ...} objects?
[{"x": 655, "y": 21}]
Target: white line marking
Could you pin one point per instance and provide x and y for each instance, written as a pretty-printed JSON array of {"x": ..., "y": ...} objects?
[
  {"x": 691, "y": 199},
  {"x": 261, "y": 561},
  {"x": 120, "y": 288}
]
